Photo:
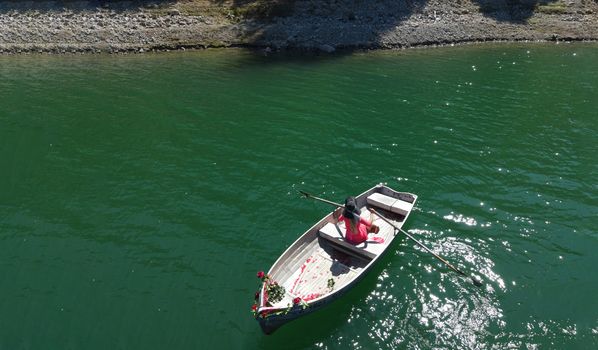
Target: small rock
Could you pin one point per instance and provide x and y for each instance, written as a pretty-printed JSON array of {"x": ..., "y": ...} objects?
[
  {"x": 174, "y": 12},
  {"x": 326, "y": 48}
]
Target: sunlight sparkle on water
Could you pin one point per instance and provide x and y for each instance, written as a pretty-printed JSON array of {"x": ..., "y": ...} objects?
[{"x": 458, "y": 218}]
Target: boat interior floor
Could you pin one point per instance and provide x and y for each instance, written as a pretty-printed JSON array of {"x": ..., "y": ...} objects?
[{"x": 323, "y": 270}]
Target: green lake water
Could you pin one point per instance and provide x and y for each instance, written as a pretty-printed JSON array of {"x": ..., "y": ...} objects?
[{"x": 139, "y": 195}]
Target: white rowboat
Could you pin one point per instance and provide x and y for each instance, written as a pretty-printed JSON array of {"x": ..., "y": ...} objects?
[{"x": 321, "y": 265}]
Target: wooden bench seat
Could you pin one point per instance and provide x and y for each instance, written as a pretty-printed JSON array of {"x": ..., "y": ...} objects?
[
  {"x": 394, "y": 205},
  {"x": 336, "y": 233}
]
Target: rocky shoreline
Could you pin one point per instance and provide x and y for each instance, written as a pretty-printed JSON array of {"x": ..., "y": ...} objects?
[{"x": 91, "y": 27}]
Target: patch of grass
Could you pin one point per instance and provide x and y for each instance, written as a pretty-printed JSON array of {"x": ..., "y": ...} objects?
[
  {"x": 226, "y": 10},
  {"x": 216, "y": 43},
  {"x": 554, "y": 8},
  {"x": 264, "y": 9}
]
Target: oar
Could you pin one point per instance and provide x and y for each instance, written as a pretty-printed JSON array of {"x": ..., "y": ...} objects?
[
  {"x": 475, "y": 281},
  {"x": 309, "y": 195}
]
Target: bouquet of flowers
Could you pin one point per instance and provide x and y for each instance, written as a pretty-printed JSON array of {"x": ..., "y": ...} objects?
[{"x": 274, "y": 291}]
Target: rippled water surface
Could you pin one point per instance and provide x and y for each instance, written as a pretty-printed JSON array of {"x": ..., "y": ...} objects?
[{"x": 140, "y": 194}]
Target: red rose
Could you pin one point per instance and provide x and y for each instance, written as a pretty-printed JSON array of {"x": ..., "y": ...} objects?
[
  {"x": 253, "y": 307},
  {"x": 260, "y": 274},
  {"x": 296, "y": 300}
]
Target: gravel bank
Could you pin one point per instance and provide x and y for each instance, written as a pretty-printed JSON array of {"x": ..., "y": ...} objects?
[{"x": 88, "y": 26}]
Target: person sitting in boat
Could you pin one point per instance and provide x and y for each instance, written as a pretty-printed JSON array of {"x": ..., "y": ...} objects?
[{"x": 357, "y": 228}]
